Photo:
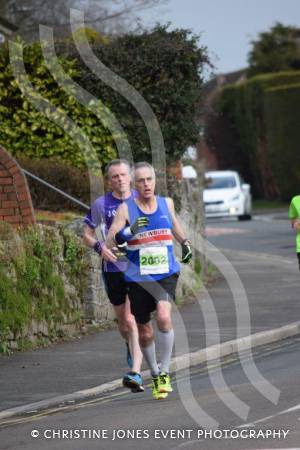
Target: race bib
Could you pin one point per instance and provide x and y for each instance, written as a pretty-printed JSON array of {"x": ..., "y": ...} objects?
[{"x": 154, "y": 260}]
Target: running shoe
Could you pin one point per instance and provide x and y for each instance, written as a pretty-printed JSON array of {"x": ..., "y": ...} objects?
[
  {"x": 128, "y": 356},
  {"x": 165, "y": 382},
  {"x": 156, "y": 389},
  {"x": 133, "y": 381}
]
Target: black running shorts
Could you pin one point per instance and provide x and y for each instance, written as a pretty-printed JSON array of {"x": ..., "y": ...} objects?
[
  {"x": 115, "y": 287},
  {"x": 144, "y": 296},
  {"x": 298, "y": 255}
]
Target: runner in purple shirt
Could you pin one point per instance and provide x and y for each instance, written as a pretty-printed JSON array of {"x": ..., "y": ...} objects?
[{"x": 101, "y": 214}]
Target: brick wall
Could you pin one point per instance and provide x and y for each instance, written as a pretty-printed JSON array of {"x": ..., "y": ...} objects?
[{"x": 15, "y": 201}]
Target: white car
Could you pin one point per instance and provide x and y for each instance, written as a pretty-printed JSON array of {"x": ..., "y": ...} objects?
[{"x": 226, "y": 195}]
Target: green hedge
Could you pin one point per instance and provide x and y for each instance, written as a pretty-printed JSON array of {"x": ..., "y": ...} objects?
[
  {"x": 24, "y": 131},
  {"x": 282, "y": 117},
  {"x": 243, "y": 107}
]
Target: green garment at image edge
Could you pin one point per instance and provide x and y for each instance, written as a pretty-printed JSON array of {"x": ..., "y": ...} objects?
[{"x": 294, "y": 213}]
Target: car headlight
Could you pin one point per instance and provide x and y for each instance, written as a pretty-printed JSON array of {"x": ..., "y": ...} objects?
[{"x": 236, "y": 197}]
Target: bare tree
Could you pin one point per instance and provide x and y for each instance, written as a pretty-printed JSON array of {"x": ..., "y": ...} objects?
[{"x": 106, "y": 16}]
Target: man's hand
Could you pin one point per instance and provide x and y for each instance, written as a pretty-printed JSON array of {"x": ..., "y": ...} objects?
[
  {"x": 108, "y": 255},
  {"x": 139, "y": 223},
  {"x": 296, "y": 225},
  {"x": 126, "y": 233},
  {"x": 120, "y": 252},
  {"x": 186, "y": 252}
]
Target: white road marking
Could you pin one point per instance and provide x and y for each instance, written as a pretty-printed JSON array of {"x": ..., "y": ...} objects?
[
  {"x": 264, "y": 419},
  {"x": 210, "y": 231}
]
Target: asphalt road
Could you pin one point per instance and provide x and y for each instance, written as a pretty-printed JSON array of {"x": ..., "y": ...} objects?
[
  {"x": 122, "y": 420},
  {"x": 268, "y": 233}
]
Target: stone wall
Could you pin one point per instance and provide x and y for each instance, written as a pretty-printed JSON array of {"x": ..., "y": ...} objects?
[
  {"x": 43, "y": 276},
  {"x": 96, "y": 304}
]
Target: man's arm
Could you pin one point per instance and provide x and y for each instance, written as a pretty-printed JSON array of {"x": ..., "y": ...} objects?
[
  {"x": 90, "y": 239},
  {"x": 293, "y": 216},
  {"x": 119, "y": 222},
  {"x": 179, "y": 234},
  {"x": 177, "y": 229}
]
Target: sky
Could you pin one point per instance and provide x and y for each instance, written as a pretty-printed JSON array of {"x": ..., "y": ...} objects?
[{"x": 226, "y": 26}]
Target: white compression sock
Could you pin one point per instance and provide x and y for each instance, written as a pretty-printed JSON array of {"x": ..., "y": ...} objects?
[
  {"x": 165, "y": 342},
  {"x": 150, "y": 356}
]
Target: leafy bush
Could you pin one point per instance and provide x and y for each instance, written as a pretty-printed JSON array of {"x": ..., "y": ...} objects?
[
  {"x": 166, "y": 68},
  {"x": 24, "y": 131},
  {"x": 275, "y": 50}
]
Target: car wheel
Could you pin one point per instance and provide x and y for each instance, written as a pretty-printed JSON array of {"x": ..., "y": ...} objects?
[
  {"x": 246, "y": 212},
  {"x": 245, "y": 217}
]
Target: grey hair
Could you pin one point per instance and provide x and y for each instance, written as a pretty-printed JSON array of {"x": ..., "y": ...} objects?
[{"x": 141, "y": 165}]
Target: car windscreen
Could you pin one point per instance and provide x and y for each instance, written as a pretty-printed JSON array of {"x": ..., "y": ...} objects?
[{"x": 220, "y": 182}]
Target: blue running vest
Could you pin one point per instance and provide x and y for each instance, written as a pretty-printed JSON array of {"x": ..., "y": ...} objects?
[{"x": 150, "y": 251}]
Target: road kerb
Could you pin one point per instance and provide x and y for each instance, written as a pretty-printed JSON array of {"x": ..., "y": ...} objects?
[
  {"x": 235, "y": 346},
  {"x": 178, "y": 363}
]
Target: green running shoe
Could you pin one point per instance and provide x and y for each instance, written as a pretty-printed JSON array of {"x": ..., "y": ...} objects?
[
  {"x": 165, "y": 383},
  {"x": 156, "y": 390}
]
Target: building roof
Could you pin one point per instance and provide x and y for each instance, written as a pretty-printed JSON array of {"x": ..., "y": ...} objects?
[{"x": 224, "y": 79}]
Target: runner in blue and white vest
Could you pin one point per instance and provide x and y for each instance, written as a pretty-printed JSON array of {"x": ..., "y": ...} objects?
[
  {"x": 148, "y": 223},
  {"x": 101, "y": 214}
]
